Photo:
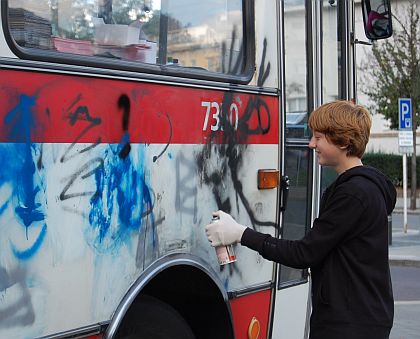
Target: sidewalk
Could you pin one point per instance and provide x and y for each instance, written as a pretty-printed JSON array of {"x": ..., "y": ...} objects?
[{"x": 405, "y": 247}]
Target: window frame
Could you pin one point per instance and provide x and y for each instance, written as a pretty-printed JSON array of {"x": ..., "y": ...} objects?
[
  {"x": 49, "y": 56},
  {"x": 294, "y": 143}
]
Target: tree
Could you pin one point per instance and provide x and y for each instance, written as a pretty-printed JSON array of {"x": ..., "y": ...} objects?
[{"x": 392, "y": 71}]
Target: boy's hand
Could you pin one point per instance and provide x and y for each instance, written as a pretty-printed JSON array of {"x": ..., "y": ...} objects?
[{"x": 225, "y": 231}]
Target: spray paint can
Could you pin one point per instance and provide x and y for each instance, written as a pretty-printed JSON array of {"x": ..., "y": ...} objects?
[{"x": 225, "y": 254}]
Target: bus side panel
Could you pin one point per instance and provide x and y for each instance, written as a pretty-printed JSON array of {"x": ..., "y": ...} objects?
[
  {"x": 250, "y": 314},
  {"x": 101, "y": 177}
]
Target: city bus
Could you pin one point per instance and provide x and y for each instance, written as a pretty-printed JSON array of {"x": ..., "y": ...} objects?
[{"x": 125, "y": 124}]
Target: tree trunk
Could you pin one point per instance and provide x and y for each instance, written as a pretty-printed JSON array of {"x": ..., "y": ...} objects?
[{"x": 413, "y": 166}]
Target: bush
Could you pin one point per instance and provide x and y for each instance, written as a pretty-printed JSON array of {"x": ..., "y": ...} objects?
[{"x": 391, "y": 165}]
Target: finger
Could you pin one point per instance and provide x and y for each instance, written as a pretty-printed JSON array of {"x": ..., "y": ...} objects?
[
  {"x": 210, "y": 228},
  {"x": 213, "y": 242},
  {"x": 216, "y": 213}
]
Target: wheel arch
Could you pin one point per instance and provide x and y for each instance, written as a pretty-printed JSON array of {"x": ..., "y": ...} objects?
[{"x": 186, "y": 283}]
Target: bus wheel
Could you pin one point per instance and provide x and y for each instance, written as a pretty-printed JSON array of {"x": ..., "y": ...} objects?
[{"x": 151, "y": 318}]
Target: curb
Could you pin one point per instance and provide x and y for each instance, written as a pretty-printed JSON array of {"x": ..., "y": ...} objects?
[
  {"x": 411, "y": 212},
  {"x": 404, "y": 262}
]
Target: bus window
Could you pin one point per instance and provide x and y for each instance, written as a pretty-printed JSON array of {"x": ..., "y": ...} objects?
[
  {"x": 296, "y": 70},
  {"x": 205, "y": 35},
  {"x": 331, "y": 66},
  {"x": 297, "y": 214}
]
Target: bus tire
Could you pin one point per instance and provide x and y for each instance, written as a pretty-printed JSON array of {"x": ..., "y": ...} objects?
[{"x": 151, "y": 318}]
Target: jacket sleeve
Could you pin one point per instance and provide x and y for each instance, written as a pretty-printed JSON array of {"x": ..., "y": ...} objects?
[{"x": 337, "y": 222}]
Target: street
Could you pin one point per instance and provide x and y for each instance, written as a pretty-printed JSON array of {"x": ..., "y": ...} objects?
[
  {"x": 406, "y": 288},
  {"x": 406, "y": 279}
]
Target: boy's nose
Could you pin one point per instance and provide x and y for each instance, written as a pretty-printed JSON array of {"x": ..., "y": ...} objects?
[{"x": 312, "y": 143}]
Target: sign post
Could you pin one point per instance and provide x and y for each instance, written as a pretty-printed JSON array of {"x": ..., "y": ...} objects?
[{"x": 405, "y": 143}]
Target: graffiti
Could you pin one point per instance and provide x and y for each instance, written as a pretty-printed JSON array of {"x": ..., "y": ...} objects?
[
  {"x": 186, "y": 189},
  {"x": 4, "y": 206},
  {"x": 80, "y": 114},
  {"x": 227, "y": 66},
  {"x": 27, "y": 183},
  {"x": 148, "y": 242},
  {"x": 84, "y": 172},
  {"x": 15, "y": 307},
  {"x": 122, "y": 197},
  {"x": 169, "y": 141},
  {"x": 264, "y": 71},
  {"x": 124, "y": 106},
  {"x": 229, "y": 153}
]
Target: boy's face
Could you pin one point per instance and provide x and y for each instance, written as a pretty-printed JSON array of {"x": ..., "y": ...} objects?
[{"x": 328, "y": 153}]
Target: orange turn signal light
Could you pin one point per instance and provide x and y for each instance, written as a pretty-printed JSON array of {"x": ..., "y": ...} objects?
[
  {"x": 254, "y": 329},
  {"x": 268, "y": 179}
]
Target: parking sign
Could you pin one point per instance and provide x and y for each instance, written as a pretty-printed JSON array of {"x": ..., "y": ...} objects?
[{"x": 405, "y": 113}]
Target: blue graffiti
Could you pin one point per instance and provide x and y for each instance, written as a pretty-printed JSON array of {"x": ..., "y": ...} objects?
[
  {"x": 28, "y": 253},
  {"x": 4, "y": 207},
  {"x": 20, "y": 122},
  {"x": 123, "y": 198},
  {"x": 120, "y": 204}
]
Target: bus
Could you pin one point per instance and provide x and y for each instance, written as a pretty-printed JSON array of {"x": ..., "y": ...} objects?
[{"x": 125, "y": 123}]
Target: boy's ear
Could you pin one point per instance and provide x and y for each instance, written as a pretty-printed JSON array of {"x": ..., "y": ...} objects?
[{"x": 343, "y": 147}]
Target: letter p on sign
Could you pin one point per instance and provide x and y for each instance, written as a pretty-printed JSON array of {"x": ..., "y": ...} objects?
[{"x": 405, "y": 113}]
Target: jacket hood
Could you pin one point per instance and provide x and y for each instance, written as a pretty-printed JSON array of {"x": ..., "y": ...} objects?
[{"x": 381, "y": 180}]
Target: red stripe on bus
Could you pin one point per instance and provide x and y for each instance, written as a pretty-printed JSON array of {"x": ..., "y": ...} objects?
[{"x": 40, "y": 107}]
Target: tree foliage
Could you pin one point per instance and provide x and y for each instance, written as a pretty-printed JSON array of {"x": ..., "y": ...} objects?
[{"x": 392, "y": 69}]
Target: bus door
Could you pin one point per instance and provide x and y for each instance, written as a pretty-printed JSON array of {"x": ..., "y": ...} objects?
[{"x": 292, "y": 290}]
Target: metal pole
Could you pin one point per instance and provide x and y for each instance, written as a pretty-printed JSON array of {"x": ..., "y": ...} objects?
[{"x": 405, "y": 190}]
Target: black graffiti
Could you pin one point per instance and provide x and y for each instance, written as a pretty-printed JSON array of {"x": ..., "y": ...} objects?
[
  {"x": 233, "y": 145},
  {"x": 148, "y": 240},
  {"x": 237, "y": 67},
  {"x": 124, "y": 106},
  {"x": 83, "y": 173},
  {"x": 75, "y": 211},
  {"x": 39, "y": 161},
  {"x": 80, "y": 114},
  {"x": 264, "y": 71},
  {"x": 125, "y": 151},
  {"x": 95, "y": 165},
  {"x": 186, "y": 189},
  {"x": 169, "y": 141}
]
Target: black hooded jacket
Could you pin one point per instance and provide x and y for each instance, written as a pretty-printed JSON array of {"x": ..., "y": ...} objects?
[{"x": 347, "y": 251}]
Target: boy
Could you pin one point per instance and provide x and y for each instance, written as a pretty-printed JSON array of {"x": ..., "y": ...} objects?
[{"x": 347, "y": 246}]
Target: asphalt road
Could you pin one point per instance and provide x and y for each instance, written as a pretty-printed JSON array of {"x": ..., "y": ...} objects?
[
  {"x": 406, "y": 283},
  {"x": 406, "y": 287},
  {"x": 413, "y": 221}
]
